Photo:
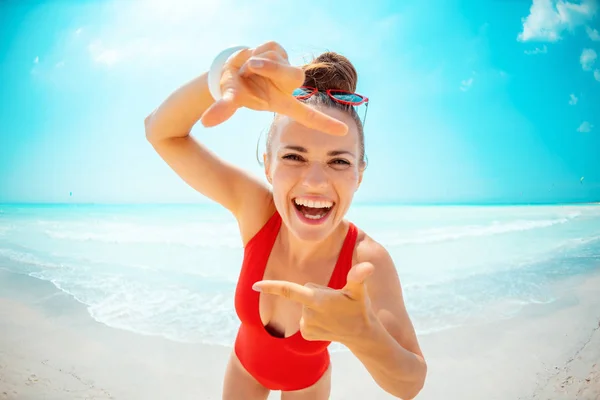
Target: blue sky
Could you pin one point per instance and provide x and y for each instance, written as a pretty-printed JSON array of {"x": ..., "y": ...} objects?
[{"x": 483, "y": 101}]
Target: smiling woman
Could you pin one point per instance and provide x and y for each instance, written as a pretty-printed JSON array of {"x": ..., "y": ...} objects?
[
  {"x": 309, "y": 276},
  {"x": 305, "y": 166}
]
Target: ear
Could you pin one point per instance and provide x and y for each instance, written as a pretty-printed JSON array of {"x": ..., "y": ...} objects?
[
  {"x": 267, "y": 165},
  {"x": 361, "y": 171}
]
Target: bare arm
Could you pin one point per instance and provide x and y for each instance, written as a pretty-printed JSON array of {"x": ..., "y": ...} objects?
[
  {"x": 176, "y": 116},
  {"x": 389, "y": 350},
  {"x": 168, "y": 130}
]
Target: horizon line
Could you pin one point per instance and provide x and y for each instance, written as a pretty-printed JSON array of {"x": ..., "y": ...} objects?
[{"x": 359, "y": 203}]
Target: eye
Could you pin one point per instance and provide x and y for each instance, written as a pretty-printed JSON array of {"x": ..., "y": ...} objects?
[
  {"x": 340, "y": 162},
  {"x": 292, "y": 157}
]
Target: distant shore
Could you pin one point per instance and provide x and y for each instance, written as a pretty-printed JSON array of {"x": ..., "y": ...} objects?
[
  {"x": 51, "y": 348},
  {"x": 356, "y": 203}
]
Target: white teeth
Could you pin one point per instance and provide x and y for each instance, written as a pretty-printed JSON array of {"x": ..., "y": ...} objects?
[
  {"x": 313, "y": 204},
  {"x": 314, "y": 216}
]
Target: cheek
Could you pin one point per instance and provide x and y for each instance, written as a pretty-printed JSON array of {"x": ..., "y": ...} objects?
[
  {"x": 280, "y": 173},
  {"x": 346, "y": 183},
  {"x": 282, "y": 180},
  {"x": 350, "y": 177}
]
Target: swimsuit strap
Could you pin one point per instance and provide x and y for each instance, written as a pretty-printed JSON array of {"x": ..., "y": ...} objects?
[
  {"x": 344, "y": 262},
  {"x": 262, "y": 244},
  {"x": 266, "y": 236}
]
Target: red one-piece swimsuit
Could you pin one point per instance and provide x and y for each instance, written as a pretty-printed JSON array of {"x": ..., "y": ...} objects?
[{"x": 286, "y": 364}]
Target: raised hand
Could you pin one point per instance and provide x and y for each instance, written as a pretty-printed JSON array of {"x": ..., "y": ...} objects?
[
  {"x": 328, "y": 314},
  {"x": 262, "y": 79}
]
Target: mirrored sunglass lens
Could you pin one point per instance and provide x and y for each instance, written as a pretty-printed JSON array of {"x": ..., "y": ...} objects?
[
  {"x": 300, "y": 92},
  {"x": 349, "y": 97}
]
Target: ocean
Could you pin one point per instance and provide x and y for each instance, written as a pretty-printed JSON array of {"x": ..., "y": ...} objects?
[{"x": 171, "y": 270}]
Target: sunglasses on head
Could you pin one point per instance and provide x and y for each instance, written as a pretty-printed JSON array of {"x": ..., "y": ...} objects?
[{"x": 339, "y": 96}]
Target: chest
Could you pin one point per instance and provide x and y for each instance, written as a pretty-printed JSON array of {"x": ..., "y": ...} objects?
[{"x": 281, "y": 317}]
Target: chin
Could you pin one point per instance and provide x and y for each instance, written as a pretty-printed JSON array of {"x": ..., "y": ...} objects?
[{"x": 309, "y": 235}]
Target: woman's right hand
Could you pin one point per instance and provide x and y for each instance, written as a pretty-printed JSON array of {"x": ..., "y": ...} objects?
[{"x": 262, "y": 79}]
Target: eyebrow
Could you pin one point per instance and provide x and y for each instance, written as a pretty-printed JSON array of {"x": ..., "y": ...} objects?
[{"x": 331, "y": 153}]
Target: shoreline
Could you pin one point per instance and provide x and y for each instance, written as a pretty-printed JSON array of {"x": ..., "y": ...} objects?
[
  {"x": 357, "y": 204},
  {"x": 51, "y": 347}
]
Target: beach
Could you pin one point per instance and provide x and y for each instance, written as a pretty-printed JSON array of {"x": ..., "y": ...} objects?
[
  {"x": 105, "y": 303},
  {"x": 50, "y": 348}
]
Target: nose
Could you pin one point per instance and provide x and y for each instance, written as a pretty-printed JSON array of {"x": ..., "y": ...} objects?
[{"x": 315, "y": 177}]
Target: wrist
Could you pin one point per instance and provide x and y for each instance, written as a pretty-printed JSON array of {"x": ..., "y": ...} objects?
[
  {"x": 216, "y": 70},
  {"x": 378, "y": 350}
]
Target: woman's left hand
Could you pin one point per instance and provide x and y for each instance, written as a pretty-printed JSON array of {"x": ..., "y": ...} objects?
[{"x": 328, "y": 314}]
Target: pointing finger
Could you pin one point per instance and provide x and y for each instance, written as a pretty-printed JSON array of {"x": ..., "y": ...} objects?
[
  {"x": 288, "y": 290},
  {"x": 309, "y": 116}
]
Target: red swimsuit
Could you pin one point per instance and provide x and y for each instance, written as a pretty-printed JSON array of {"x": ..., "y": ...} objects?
[{"x": 286, "y": 364}]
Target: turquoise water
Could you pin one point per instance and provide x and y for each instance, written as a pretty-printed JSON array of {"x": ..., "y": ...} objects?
[{"x": 171, "y": 270}]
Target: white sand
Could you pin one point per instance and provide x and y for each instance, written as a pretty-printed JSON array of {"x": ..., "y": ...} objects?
[
  {"x": 579, "y": 378},
  {"x": 50, "y": 348}
]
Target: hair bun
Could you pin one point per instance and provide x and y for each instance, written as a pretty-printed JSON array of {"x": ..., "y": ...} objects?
[{"x": 331, "y": 70}]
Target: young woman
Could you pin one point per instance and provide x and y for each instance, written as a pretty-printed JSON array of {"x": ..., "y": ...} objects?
[{"x": 309, "y": 277}]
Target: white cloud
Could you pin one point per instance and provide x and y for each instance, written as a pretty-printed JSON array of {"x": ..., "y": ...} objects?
[
  {"x": 59, "y": 64},
  {"x": 585, "y": 127},
  {"x": 593, "y": 34},
  {"x": 537, "y": 50},
  {"x": 548, "y": 19},
  {"x": 587, "y": 59},
  {"x": 597, "y": 75},
  {"x": 573, "y": 99},
  {"x": 466, "y": 84},
  {"x": 36, "y": 65},
  {"x": 101, "y": 54}
]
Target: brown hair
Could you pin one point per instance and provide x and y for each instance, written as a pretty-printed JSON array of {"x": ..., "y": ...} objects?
[{"x": 330, "y": 70}]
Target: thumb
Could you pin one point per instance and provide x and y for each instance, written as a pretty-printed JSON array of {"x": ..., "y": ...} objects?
[
  {"x": 220, "y": 111},
  {"x": 356, "y": 278}
]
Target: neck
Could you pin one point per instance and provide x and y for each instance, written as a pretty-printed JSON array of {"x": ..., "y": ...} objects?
[{"x": 302, "y": 252}]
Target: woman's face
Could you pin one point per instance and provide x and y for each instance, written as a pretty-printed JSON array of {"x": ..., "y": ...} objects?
[{"x": 314, "y": 175}]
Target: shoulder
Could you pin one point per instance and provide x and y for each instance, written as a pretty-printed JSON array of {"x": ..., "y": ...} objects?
[
  {"x": 259, "y": 211},
  {"x": 368, "y": 249},
  {"x": 385, "y": 274}
]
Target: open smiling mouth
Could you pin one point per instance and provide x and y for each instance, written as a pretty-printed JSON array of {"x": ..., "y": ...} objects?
[{"x": 313, "y": 211}]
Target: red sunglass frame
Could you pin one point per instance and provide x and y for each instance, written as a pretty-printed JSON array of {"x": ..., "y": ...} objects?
[{"x": 332, "y": 96}]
